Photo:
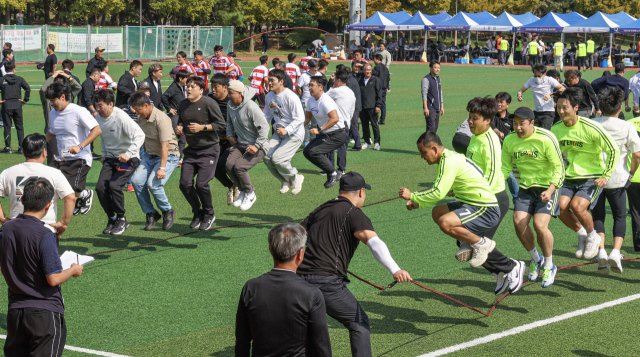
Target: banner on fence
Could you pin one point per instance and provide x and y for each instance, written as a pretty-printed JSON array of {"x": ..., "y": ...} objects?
[
  {"x": 24, "y": 40},
  {"x": 77, "y": 42}
]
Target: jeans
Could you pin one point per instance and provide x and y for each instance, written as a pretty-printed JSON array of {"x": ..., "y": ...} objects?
[
  {"x": 368, "y": 53},
  {"x": 513, "y": 185},
  {"x": 145, "y": 177}
]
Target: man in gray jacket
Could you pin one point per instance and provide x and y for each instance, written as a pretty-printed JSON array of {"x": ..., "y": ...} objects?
[{"x": 247, "y": 130}]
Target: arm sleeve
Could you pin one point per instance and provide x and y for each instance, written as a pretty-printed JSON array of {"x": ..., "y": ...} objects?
[
  {"x": 4, "y": 73},
  {"x": 317, "y": 329},
  {"x": 243, "y": 332},
  {"x": 262, "y": 126},
  {"x": 379, "y": 93},
  {"x": 609, "y": 146},
  {"x": 230, "y": 131},
  {"x": 381, "y": 253},
  {"x": 507, "y": 158},
  {"x": 124, "y": 85},
  {"x": 554, "y": 155},
  {"x": 132, "y": 129},
  {"x": 527, "y": 84},
  {"x": 206, "y": 70},
  {"x": 425, "y": 88},
  {"x": 49, "y": 257},
  {"x": 626, "y": 90},
  {"x": 27, "y": 90},
  {"x": 87, "y": 93},
  {"x": 75, "y": 87},
  {"x": 297, "y": 115},
  {"x": 441, "y": 186},
  {"x": 592, "y": 96}
]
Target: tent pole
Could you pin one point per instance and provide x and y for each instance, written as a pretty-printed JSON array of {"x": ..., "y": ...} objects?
[{"x": 476, "y": 36}]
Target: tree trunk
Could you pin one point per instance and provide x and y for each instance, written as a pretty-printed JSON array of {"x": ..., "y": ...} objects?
[
  {"x": 28, "y": 13},
  {"x": 7, "y": 15},
  {"x": 251, "y": 41},
  {"x": 47, "y": 7}
]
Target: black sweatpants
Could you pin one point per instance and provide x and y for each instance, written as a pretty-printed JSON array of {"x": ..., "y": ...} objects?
[
  {"x": 221, "y": 169},
  {"x": 496, "y": 261},
  {"x": 343, "y": 306},
  {"x": 354, "y": 130},
  {"x": 433, "y": 120},
  {"x": 10, "y": 117},
  {"x": 618, "y": 203},
  {"x": 383, "y": 109},
  {"x": 317, "y": 149},
  {"x": 544, "y": 119},
  {"x": 633, "y": 194},
  {"x": 460, "y": 143},
  {"x": 35, "y": 332},
  {"x": 582, "y": 63},
  {"x": 113, "y": 177},
  {"x": 199, "y": 166},
  {"x": 369, "y": 117}
]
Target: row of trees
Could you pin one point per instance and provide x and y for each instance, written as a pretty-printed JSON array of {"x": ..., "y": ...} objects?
[{"x": 245, "y": 14}]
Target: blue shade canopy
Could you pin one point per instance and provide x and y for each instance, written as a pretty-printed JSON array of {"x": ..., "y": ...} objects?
[
  {"x": 504, "y": 22},
  {"x": 632, "y": 27},
  {"x": 439, "y": 18},
  {"x": 527, "y": 18},
  {"x": 463, "y": 21},
  {"x": 550, "y": 23},
  {"x": 376, "y": 22},
  {"x": 572, "y": 17},
  {"x": 598, "y": 22},
  {"x": 397, "y": 17},
  {"x": 622, "y": 18},
  {"x": 419, "y": 21}
]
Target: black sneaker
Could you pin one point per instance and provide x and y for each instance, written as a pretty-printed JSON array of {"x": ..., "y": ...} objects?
[
  {"x": 332, "y": 179},
  {"x": 110, "y": 225},
  {"x": 354, "y": 149},
  {"x": 19, "y": 150},
  {"x": 152, "y": 219},
  {"x": 120, "y": 225},
  {"x": 195, "y": 223},
  {"x": 6, "y": 150},
  {"x": 207, "y": 221},
  {"x": 168, "y": 218}
]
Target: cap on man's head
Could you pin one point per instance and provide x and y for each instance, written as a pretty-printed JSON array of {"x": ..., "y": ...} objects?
[
  {"x": 353, "y": 181},
  {"x": 523, "y": 113},
  {"x": 236, "y": 86},
  {"x": 99, "y": 49}
]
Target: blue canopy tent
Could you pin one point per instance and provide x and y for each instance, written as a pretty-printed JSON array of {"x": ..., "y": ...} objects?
[
  {"x": 598, "y": 22},
  {"x": 572, "y": 17},
  {"x": 550, "y": 23},
  {"x": 375, "y": 22},
  {"x": 526, "y": 18},
  {"x": 504, "y": 22},
  {"x": 463, "y": 21},
  {"x": 622, "y": 18},
  {"x": 419, "y": 21},
  {"x": 631, "y": 28},
  {"x": 439, "y": 18},
  {"x": 396, "y": 17}
]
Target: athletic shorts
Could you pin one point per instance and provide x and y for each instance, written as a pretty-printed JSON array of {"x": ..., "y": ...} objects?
[
  {"x": 75, "y": 171},
  {"x": 529, "y": 201},
  {"x": 478, "y": 220},
  {"x": 584, "y": 188}
]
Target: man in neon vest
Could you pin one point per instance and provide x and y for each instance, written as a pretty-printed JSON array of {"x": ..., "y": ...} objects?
[
  {"x": 504, "y": 47},
  {"x": 558, "y": 52},
  {"x": 582, "y": 55},
  {"x": 533, "y": 52},
  {"x": 517, "y": 57},
  {"x": 591, "y": 49}
]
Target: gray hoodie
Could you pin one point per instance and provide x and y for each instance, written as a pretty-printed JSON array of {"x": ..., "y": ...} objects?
[{"x": 247, "y": 123}]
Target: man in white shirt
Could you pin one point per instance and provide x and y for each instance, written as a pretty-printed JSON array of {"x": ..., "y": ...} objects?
[
  {"x": 121, "y": 141},
  {"x": 634, "y": 87},
  {"x": 626, "y": 136},
  {"x": 542, "y": 86},
  {"x": 303, "y": 92},
  {"x": 283, "y": 107},
  {"x": 330, "y": 131},
  {"x": 346, "y": 105},
  {"x": 490, "y": 43},
  {"x": 13, "y": 179},
  {"x": 74, "y": 129}
]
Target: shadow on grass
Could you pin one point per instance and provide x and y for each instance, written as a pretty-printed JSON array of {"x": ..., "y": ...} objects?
[
  {"x": 227, "y": 352},
  {"x": 585, "y": 353}
]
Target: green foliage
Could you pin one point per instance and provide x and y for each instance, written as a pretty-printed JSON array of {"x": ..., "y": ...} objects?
[{"x": 302, "y": 38}]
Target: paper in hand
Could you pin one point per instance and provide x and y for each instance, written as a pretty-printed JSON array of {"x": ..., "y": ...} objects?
[{"x": 68, "y": 257}]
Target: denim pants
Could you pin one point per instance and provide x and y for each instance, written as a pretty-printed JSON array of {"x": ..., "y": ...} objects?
[
  {"x": 513, "y": 185},
  {"x": 145, "y": 177}
]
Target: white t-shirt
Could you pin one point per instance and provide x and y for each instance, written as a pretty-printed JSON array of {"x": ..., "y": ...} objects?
[
  {"x": 626, "y": 136},
  {"x": 286, "y": 110},
  {"x": 540, "y": 90},
  {"x": 320, "y": 109},
  {"x": 12, "y": 182},
  {"x": 346, "y": 103},
  {"x": 634, "y": 87},
  {"x": 71, "y": 126},
  {"x": 303, "y": 82}
]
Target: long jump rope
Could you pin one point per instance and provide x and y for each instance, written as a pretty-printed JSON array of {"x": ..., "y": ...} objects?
[{"x": 379, "y": 287}]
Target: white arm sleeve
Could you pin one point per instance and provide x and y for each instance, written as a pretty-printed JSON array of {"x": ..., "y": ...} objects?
[{"x": 382, "y": 254}]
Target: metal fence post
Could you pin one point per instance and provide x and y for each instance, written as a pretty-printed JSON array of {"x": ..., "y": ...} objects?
[
  {"x": 162, "y": 43},
  {"x": 198, "y": 37},
  {"x": 46, "y": 41},
  {"x": 88, "y": 43},
  {"x": 126, "y": 43},
  {"x": 233, "y": 36}
]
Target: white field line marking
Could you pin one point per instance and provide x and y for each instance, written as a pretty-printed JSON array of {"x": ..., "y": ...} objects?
[
  {"x": 84, "y": 350},
  {"x": 530, "y": 326}
]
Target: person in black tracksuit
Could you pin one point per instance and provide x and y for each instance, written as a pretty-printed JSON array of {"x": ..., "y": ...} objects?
[
  {"x": 220, "y": 93},
  {"x": 128, "y": 85},
  {"x": 12, "y": 102},
  {"x": 85, "y": 98},
  {"x": 171, "y": 99},
  {"x": 432, "y": 101},
  {"x": 202, "y": 123},
  {"x": 371, "y": 91},
  {"x": 381, "y": 71}
]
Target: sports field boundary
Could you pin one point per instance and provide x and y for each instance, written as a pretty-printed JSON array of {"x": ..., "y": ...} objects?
[
  {"x": 84, "y": 350},
  {"x": 530, "y": 326}
]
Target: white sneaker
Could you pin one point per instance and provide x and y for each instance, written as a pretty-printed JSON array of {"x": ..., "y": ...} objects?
[
  {"x": 464, "y": 253},
  {"x": 285, "y": 187},
  {"x": 86, "y": 204},
  {"x": 534, "y": 268},
  {"x": 365, "y": 146},
  {"x": 238, "y": 202},
  {"x": 377, "y": 147},
  {"x": 516, "y": 276},
  {"x": 352, "y": 141},
  {"x": 296, "y": 186},
  {"x": 580, "y": 250},
  {"x": 248, "y": 200},
  {"x": 592, "y": 245},
  {"x": 615, "y": 262},
  {"x": 480, "y": 252},
  {"x": 603, "y": 267},
  {"x": 502, "y": 283},
  {"x": 549, "y": 276},
  {"x": 323, "y": 173}
]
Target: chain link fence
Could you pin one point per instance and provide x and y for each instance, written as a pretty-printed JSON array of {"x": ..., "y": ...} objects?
[{"x": 29, "y": 43}]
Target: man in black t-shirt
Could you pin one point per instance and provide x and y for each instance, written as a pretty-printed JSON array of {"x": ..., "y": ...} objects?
[
  {"x": 334, "y": 231},
  {"x": 51, "y": 62}
]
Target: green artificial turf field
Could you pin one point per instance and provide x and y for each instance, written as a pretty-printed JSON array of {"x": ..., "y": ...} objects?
[{"x": 179, "y": 297}]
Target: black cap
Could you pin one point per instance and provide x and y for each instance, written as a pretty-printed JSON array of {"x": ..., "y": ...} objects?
[
  {"x": 523, "y": 113},
  {"x": 352, "y": 181}
]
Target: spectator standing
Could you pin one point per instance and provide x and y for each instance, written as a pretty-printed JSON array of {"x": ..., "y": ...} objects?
[
  {"x": 155, "y": 87},
  {"x": 7, "y": 56},
  {"x": 99, "y": 52},
  {"x": 371, "y": 91},
  {"x": 85, "y": 98},
  {"x": 9, "y": 46},
  {"x": 368, "y": 45},
  {"x": 20, "y": 18},
  {"x": 591, "y": 45},
  {"x": 402, "y": 41},
  {"x": 265, "y": 42},
  {"x": 292, "y": 70},
  {"x": 12, "y": 102},
  {"x": 33, "y": 272},
  {"x": 558, "y": 54},
  {"x": 127, "y": 84},
  {"x": 203, "y": 69},
  {"x": 51, "y": 62},
  {"x": 432, "y": 101},
  {"x": 258, "y": 79},
  {"x": 158, "y": 160},
  {"x": 236, "y": 72},
  {"x": 582, "y": 55},
  {"x": 282, "y": 301},
  {"x": 382, "y": 72}
]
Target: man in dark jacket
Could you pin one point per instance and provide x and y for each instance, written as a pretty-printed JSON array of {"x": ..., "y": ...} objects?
[
  {"x": 12, "y": 102},
  {"x": 354, "y": 129},
  {"x": 282, "y": 301},
  {"x": 155, "y": 88},
  {"x": 67, "y": 67},
  {"x": 85, "y": 98},
  {"x": 371, "y": 92},
  {"x": 432, "y": 103},
  {"x": 288, "y": 83},
  {"x": 171, "y": 99},
  {"x": 573, "y": 80},
  {"x": 7, "y": 56},
  {"x": 127, "y": 84},
  {"x": 382, "y": 72},
  {"x": 92, "y": 62},
  {"x": 615, "y": 81}
]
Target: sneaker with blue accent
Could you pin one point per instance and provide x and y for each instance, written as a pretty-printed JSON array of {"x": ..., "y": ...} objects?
[
  {"x": 534, "y": 268},
  {"x": 549, "y": 276}
]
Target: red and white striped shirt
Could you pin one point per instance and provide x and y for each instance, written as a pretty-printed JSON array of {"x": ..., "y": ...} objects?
[
  {"x": 236, "y": 73},
  {"x": 293, "y": 71},
  {"x": 220, "y": 64},
  {"x": 257, "y": 77},
  {"x": 199, "y": 71},
  {"x": 105, "y": 82},
  {"x": 303, "y": 63},
  {"x": 187, "y": 67}
]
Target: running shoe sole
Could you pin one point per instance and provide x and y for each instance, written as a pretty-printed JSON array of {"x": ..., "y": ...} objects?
[
  {"x": 603, "y": 268},
  {"x": 521, "y": 266},
  {"x": 615, "y": 266},
  {"x": 464, "y": 255}
]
